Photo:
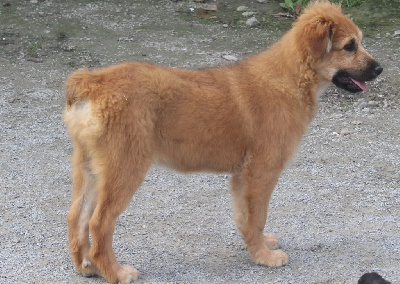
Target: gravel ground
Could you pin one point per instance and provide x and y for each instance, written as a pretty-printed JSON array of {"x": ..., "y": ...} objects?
[{"x": 336, "y": 207}]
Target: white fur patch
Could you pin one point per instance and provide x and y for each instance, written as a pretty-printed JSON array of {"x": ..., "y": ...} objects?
[
  {"x": 82, "y": 106},
  {"x": 81, "y": 122},
  {"x": 329, "y": 46},
  {"x": 88, "y": 199},
  {"x": 321, "y": 88}
]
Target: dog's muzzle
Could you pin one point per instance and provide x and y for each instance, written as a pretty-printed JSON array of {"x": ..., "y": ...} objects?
[{"x": 353, "y": 82}]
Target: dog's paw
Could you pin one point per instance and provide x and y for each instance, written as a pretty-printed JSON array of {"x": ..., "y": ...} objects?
[
  {"x": 271, "y": 241},
  {"x": 126, "y": 274},
  {"x": 87, "y": 269},
  {"x": 274, "y": 258}
]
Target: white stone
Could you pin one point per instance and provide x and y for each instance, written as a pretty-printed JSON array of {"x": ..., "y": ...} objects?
[
  {"x": 248, "y": 14},
  {"x": 252, "y": 22},
  {"x": 242, "y": 8},
  {"x": 230, "y": 57}
]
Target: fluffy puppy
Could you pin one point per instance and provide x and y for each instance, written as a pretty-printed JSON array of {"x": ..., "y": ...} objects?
[{"x": 246, "y": 119}]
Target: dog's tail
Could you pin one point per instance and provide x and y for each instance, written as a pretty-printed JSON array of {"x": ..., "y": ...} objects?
[{"x": 81, "y": 85}]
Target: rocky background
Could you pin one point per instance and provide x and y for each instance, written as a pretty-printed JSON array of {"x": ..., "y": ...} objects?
[{"x": 336, "y": 207}]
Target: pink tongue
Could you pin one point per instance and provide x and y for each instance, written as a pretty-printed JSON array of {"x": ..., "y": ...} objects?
[{"x": 360, "y": 84}]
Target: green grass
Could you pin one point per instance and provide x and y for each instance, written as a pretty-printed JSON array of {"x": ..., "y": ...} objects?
[{"x": 35, "y": 46}]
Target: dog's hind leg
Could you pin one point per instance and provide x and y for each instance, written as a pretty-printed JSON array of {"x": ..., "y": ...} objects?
[
  {"x": 121, "y": 171},
  {"x": 251, "y": 203},
  {"x": 83, "y": 204},
  {"x": 239, "y": 204}
]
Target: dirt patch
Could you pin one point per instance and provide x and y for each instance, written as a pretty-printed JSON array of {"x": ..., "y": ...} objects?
[{"x": 336, "y": 207}]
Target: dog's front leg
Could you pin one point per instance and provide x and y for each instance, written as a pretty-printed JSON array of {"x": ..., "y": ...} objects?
[
  {"x": 251, "y": 201},
  {"x": 239, "y": 204}
]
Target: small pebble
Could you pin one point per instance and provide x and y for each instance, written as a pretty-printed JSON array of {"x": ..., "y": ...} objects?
[
  {"x": 230, "y": 57},
  {"x": 362, "y": 105},
  {"x": 248, "y": 14},
  {"x": 242, "y": 8},
  {"x": 345, "y": 132},
  {"x": 252, "y": 22}
]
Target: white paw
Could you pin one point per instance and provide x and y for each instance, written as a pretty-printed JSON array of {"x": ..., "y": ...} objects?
[{"x": 86, "y": 263}]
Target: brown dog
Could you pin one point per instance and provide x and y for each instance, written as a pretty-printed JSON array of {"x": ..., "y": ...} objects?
[{"x": 246, "y": 119}]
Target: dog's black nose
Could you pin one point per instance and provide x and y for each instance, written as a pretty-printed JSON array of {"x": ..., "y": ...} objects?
[{"x": 378, "y": 70}]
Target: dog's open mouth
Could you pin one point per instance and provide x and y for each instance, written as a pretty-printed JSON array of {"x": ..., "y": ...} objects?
[
  {"x": 360, "y": 84},
  {"x": 345, "y": 81}
]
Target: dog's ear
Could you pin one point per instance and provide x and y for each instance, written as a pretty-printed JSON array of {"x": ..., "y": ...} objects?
[{"x": 318, "y": 36}]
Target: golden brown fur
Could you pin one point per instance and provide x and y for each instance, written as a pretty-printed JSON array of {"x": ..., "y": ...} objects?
[{"x": 246, "y": 119}]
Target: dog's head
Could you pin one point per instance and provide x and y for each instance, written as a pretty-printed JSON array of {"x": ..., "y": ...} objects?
[{"x": 334, "y": 45}]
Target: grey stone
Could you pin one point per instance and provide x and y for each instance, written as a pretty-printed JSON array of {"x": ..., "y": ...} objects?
[{"x": 252, "y": 22}]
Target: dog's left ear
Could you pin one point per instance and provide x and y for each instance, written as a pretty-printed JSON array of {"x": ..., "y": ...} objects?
[{"x": 318, "y": 36}]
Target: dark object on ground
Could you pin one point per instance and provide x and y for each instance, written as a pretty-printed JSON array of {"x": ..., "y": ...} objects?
[{"x": 372, "y": 278}]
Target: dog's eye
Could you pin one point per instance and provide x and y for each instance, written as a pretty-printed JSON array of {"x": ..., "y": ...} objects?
[{"x": 351, "y": 46}]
